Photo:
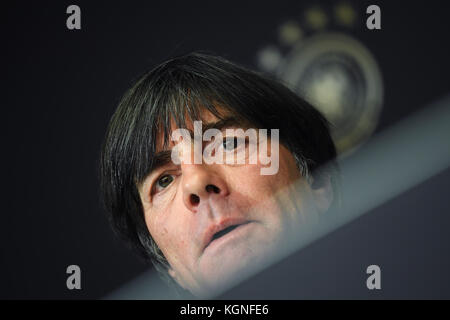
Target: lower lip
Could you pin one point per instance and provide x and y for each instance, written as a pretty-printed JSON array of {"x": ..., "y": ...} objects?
[{"x": 239, "y": 231}]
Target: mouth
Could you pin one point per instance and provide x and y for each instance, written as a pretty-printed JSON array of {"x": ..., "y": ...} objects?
[{"x": 222, "y": 232}]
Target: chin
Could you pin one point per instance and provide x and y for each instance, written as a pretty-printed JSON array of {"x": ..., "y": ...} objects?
[{"x": 234, "y": 265}]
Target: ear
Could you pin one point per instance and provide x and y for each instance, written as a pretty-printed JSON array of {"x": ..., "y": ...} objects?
[{"x": 322, "y": 191}]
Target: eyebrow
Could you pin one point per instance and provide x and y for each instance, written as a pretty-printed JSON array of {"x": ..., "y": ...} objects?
[
  {"x": 160, "y": 159},
  {"x": 223, "y": 123},
  {"x": 164, "y": 157}
]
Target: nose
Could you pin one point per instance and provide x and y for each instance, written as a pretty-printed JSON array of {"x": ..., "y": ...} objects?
[{"x": 200, "y": 183}]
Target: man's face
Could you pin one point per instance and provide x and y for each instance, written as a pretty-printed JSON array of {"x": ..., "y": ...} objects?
[{"x": 213, "y": 221}]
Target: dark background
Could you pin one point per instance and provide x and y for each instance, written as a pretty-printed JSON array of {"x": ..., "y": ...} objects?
[{"x": 60, "y": 87}]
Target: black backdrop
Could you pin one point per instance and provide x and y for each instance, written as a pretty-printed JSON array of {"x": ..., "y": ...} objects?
[{"x": 60, "y": 87}]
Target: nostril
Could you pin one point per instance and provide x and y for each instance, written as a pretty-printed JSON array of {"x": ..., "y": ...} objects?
[
  {"x": 195, "y": 199},
  {"x": 212, "y": 188}
]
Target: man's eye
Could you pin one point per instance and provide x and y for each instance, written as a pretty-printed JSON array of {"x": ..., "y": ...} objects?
[
  {"x": 230, "y": 143},
  {"x": 164, "y": 181}
]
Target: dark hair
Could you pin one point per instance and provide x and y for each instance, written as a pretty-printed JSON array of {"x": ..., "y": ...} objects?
[{"x": 179, "y": 89}]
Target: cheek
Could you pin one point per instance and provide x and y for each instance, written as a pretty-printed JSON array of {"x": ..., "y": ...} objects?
[
  {"x": 270, "y": 198},
  {"x": 255, "y": 195},
  {"x": 158, "y": 227},
  {"x": 168, "y": 231},
  {"x": 247, "y": 186},
  {"x": 159, "y": 219},
  {"x": 249, "y": 181}
]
